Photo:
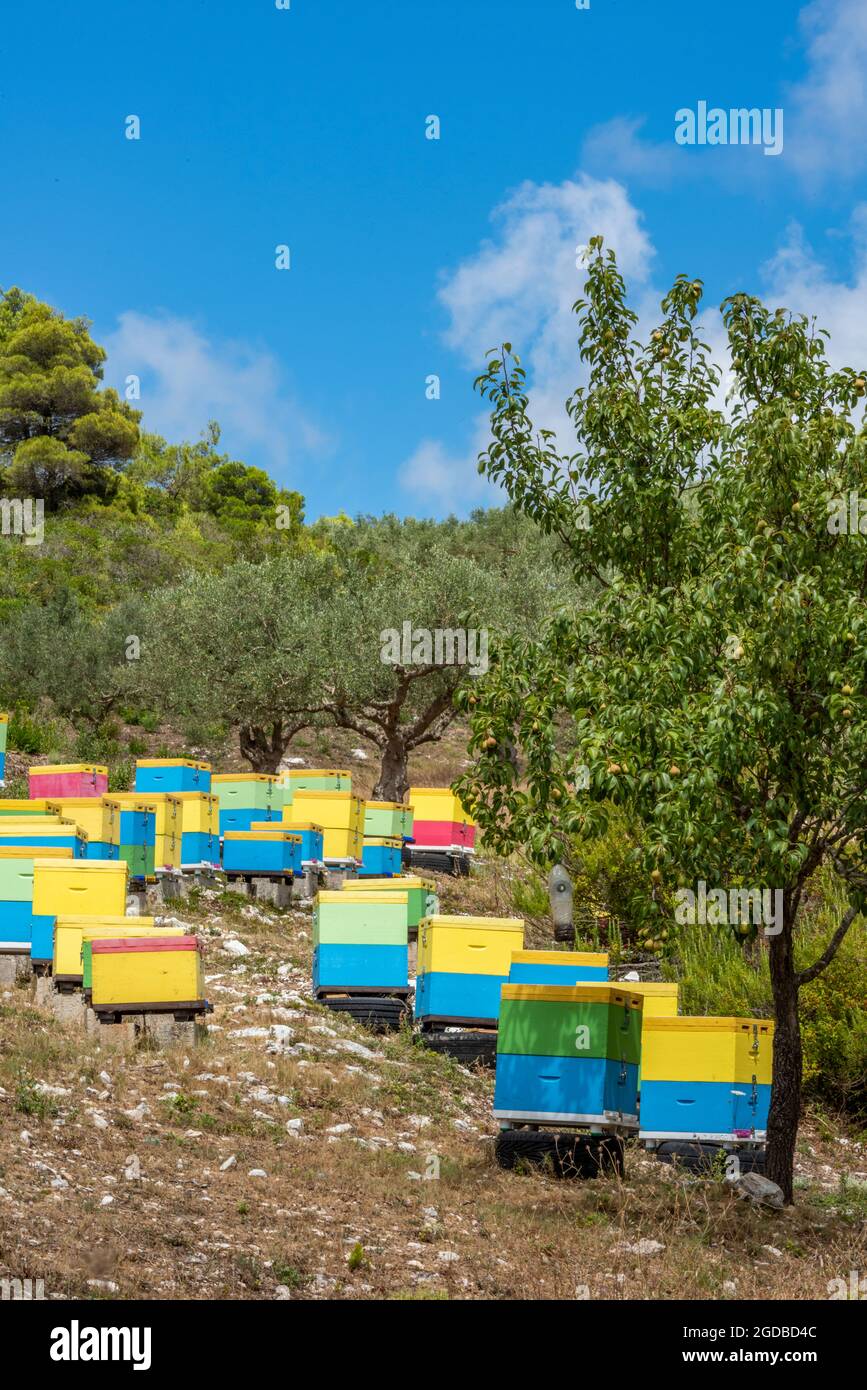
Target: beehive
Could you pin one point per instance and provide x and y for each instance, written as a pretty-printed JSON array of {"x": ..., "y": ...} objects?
[
  {"x": 440, "y": 821},
  {"x": 382, "y": 855},
  {"x": 706, "y": 1078},
  {"x": 340, "y": 816},
  {"x": 138, "y": 974},
  {"x": 20, "y": 927},
  {"x": 198, "y": 815},
  {"x": 70, "y": 933},
  {"x": 261, "y": 851},
  {"x": 568, "y": 1055},
  {"x": 246, "y": 797},
  {"x": 86, "y": 811},
  {"x": 421, "y": 895},
  {"x": 387, "y": 818},
  {"x": 557, "y": 967},
  {"x": 360, "y": 941},
  {"x": 462, "y": 963},
  {"x": 68, "y": 779},
  {"x": 82, "y": 887},
  {"x": 172, "y": 775},
  {"x": 128, "y": 929}
]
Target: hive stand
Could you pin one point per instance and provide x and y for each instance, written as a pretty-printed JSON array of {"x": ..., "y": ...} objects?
[
  {"x": 379, "y": 1011},
  {"x": 14, "y": 965},
  {"x": 466, "y": 1044}
]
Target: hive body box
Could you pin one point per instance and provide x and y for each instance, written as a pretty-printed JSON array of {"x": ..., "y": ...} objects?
[
  {"x": 198, "y": 815},
  {"x": 558, "y": 967},
  {"x": 568, "y": 1055},
  {"x": 146, "y": 974},
  {"x": 381, "y": 856},
  {"x": 167, "y": 826},
  {"x": 421, "y": 896},
  {"x": 20, "y": 928},
  {"x": 79, "y": 888},
  {"x": 18, "y": 807},
  {"x": 131, "y": 928},
  {"x": 70, "y": 933},
  {"x": 246, "y": 797},
  {"x": 261, "y": 851},
  {"x": 318, "y": 779},
  {"x": 4, "y": 728},
  {"x": 360, "y": 941},
  {"x": 172, "y": 775},
  {"x": 462, "y": 963},
  {"x": 706, "y": 1078},
  {"x": 339, "y": 813},
  {"x": 89, "y": 814},
  {"x": 387, "y": 818},
  {"x": 68, "y": 779}
]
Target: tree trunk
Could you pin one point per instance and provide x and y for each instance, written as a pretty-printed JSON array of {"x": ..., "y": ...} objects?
[
  {"x": 261, "y": 747},
  {"x": 785, "y": 1108},
  {"x": 393, "y": 783}
]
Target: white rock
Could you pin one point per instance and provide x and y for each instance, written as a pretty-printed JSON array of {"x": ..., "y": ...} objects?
[
  {"x": 257, "y": 1173},
  {"x": 25, "y": 1136},
  {"x": 282, "y": 1292},
  {"x": 105, "y": 1079},
  {"x": 294, "y": 1126},
  {"x": 447, "y": 1256},
  {"x": 228, "y": 1163},
  {"x": 729, "y": 1286},
  {"x": 641, "y": 1247},
  {"x": 233, "y": 947},
  {"x": 138, "y": 1113},
  {"x": 339, "y": 1129},
  {"x": 107, "y": 1200},
  {"x": 772, "y": 1250},
  {"x": 99, "y": 1120}
]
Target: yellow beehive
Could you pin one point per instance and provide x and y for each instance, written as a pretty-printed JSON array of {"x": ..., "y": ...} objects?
[
  {"x": 70, "y": 934},
  {"x": 9, "y": 805},
  {"x": 469, "y": 945},
  {"x": 660, "y": 997},
  {"x": 167, "y": 851},
  {"x": 91, "y": 887},
  {"x": 707, "y": 1049},
  {"x": 144, "y": 973}
]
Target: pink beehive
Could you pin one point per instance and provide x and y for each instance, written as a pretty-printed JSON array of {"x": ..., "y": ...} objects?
[{"x": 68, "y": 779}]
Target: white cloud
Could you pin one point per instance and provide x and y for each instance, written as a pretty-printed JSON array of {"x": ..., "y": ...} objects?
[
  {"x": 829, "y": 108},
  {"x": 443, "y": 481},
  {"x": 519, "y": 287},
  {"x": 188, "y": 379},
  {"x": 796, "y": 279}
]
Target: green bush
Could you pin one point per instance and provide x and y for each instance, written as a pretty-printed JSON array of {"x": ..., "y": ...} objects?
[{"x": 27, "y": 734}]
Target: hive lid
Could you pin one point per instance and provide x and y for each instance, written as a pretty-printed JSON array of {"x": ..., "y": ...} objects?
[
  {"x": 97, "y": 919},
  {"x": 244, "y": 777},
  {"x": 592, "y": 958},
  {"x": 482, "y": 923},
  {"x": 665, "y": 989},
  {"x": 46, "y": 768},
  {"x": 147, "y": 800},
  {"x": 393, "y": 841},
  {"x": 336, "y": 895},
  {"x": 388, "y": 806},
  {"x": 601, "y": 993},
  {"x": 284, "y": 835},
  {"x": 190, "y": 796},
  {"x": 125, "y": 945},
  {"x": 291, "y": 772},
  {"x": 326, "y": 795},
  {"x": 400, "y": 881},
  {"x": 35, "y": 852},
  {"x": 304, "y": 825},
  {"x": 89, "y": 866},
  {"x": 173, "y": 762},
  {"x": 702, "y": 1024}
]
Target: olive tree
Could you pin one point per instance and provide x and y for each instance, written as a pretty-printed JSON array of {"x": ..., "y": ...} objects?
[{"x": 714, "y": 686}]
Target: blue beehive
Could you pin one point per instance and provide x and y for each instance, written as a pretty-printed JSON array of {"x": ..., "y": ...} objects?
[
  {"x": 360, "y": 967},
  {"x": 172, "y": 775},
  {"x": 706, "y": 1078},
  {"x": 260, "y": 851},
  {"x": 101, "y": 849},
  {"x": 77, "y": 843},
  {"x": 462, "y": 963}
]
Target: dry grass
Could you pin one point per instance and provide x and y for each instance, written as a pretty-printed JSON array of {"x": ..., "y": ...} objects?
[{"x": 341, "y": 1215}]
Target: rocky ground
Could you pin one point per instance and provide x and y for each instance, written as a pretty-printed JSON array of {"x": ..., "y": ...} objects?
[{"x": 291, "y": 1154}]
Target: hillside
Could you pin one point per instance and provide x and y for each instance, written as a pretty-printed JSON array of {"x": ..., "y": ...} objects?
[{"x": 285, "y": 1157}]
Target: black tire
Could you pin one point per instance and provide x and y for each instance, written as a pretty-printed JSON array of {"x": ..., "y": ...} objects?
[
  {"x": 698, "y": 1157},
  {"x": 464, "y": 1047},
  {"x": 563, "y": 1155},
  {"x": 377, "y": 1014}
]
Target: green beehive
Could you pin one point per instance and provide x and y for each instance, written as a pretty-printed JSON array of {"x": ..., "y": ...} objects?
[
  {"x": 313, "y": 779},
  {"x": 421, "y": 893}
]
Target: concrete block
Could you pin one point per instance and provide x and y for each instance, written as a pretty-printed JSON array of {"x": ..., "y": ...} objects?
[
  {"x": 69, "y": 1009},
  {"x": 15, "y": 967},
  {"x": 279, "y": 894}
]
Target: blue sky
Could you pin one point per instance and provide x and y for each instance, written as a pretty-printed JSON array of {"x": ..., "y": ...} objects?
[{"x": 306, "y": 127}]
